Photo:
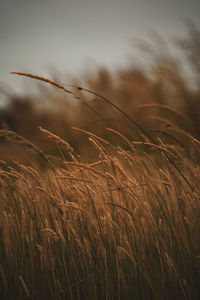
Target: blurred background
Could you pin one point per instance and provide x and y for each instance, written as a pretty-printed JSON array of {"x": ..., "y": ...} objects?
[
  {"x": 72, "y": 36},
  {"x": 141, "y": 55}
]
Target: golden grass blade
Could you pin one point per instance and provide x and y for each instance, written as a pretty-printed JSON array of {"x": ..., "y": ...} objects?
[
  {"x": 54, "y": 83},
  {"x": 165, "y": 107}
]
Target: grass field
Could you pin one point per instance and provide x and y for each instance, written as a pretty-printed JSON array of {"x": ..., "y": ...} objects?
[{"x": 105, "y": 204}]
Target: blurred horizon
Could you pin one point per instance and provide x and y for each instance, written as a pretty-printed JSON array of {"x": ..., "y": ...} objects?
[{"x": 70, "y": 37}]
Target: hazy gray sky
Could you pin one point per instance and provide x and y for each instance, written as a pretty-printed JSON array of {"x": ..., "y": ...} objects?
[{"x": 36, "y": 35}]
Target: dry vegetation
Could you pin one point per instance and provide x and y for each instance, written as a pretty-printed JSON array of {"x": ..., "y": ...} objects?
[{"x": 100, "y": 199}]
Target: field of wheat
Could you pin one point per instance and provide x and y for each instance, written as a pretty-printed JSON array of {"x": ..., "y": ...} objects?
[{"x": 101, "y": 199}]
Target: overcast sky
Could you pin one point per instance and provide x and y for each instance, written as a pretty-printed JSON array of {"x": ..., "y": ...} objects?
[{"x": 70, "y": 35}]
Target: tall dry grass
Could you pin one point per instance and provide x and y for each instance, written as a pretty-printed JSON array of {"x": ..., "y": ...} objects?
[
  {"x": 100, "y": 200},
  {"x": 124, "y": 227}
]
